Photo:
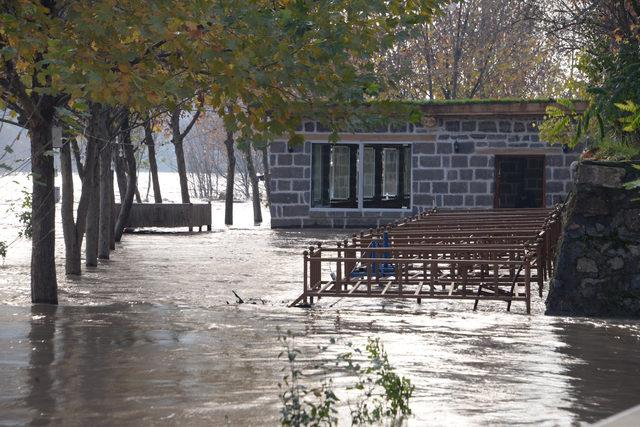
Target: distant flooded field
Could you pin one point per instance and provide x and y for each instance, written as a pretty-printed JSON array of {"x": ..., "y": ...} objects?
[{"x": 155, "y": 336}]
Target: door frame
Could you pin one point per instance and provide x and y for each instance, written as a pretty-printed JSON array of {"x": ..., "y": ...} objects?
[{"x": 496, "y": 176}]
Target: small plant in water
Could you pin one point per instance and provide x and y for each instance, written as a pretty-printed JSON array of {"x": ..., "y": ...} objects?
[
  {"x": 23, "y": 213},
  {"x": 301, "y": 405},
  {"x": 381, "y": 395},
  {"x": 384, "y": 393},
  {"x": 3, "y": 250}
]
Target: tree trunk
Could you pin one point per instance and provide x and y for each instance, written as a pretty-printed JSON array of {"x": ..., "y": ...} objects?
[
  {"x": 73, "y": 230},
  {"x": 71, "y": 244},
  {"x": 44, "y": 285},
  {"x": 106, "y": 208},
  {"x": 177, "y": 138},
  {"x": 93, "y": 218},
  {"x": 98, "y": 136},
  {"x": 267, "y": 174},
  {"x": 112, "y": 216},
  {"x": 182, "y": 170},
  {"x": 77, "y": 156},
  {"x": 131, "y": 180},
  {"x": 153, "y": 164},
  {"x": 231, "y": 170},
  {"x": 255, "y": 186},
  {"x": 121, "y": 175},
  {"x": 137, "y": 193}
]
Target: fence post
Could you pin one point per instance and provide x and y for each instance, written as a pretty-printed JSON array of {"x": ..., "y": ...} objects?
[
  {"x": 314, "y": 268},
  {"x": 349, "y": 263},
  {"x": 527, "y": 283},
  {"x": 305, "y": 272}
]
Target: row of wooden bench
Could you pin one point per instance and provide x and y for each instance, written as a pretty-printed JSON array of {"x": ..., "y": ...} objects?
[{"x": 439, "y": 254}]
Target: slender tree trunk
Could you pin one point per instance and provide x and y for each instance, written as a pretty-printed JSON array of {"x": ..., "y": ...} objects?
[
  {"x": 71, "y": 244},
  {"x": 153, "y": 164},
  {"x": 146, "y": 196},
  {"x": 93, "y": 220},
  {"x": 182, "y": 170},
  {"x": 137, "y": 193},
  {"x": 121, "y": 175},
  {"x": 112, "y": 215},
  {"x": 44, "y": 285},
  {"x": 255, "y": 186},
  {"x": 179, "y": 150},
  {"x": 77, "y": 156},
  {"x": 178, "y": 139},
  {"x": 131, "y": 181},
  {"x": 267, "y": 174},
  {"x": 429, "y": 58},
  {"x": 231, "y": 170},
  {"x": 73, "y": 230},
  {"x": 98, "y": 136},
  {"x": 105, "y": 202}
]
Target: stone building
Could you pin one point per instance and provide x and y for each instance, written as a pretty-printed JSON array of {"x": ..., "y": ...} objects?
[{"x": 462, "y": 155}]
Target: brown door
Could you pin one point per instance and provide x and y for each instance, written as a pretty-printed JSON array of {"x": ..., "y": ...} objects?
[{"x": 520, "y": 182}]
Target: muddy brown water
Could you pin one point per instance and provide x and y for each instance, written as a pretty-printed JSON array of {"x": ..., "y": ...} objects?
[{"x": 154, "y": 336}]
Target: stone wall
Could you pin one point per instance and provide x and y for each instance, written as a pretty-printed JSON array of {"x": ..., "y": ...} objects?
[
  {"x": 598, "y": 265},
  {"x": 466, "y": 179},
  {"x": 440, "y": 176}
]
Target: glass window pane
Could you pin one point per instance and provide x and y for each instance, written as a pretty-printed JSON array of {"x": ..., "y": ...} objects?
[
  {"x": 407, "y": 170},
  {"x": 317, "y": 174},
  {"x": 340, "y": 168},
  {"x": 390, "y": 172},
  {"x": 369, "y": 172}
]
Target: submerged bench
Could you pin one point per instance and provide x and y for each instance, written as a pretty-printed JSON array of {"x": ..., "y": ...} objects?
[{"x": 168, "y": 215}]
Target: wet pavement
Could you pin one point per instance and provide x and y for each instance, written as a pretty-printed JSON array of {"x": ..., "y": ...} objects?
[{"x": 155, "y": 336}]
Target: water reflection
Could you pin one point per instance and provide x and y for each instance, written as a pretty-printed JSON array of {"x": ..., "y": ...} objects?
[
  {"x": 606, "y": 376},
  {"x": 41, "y": 398},
  {"x": 159, "y": 364}
]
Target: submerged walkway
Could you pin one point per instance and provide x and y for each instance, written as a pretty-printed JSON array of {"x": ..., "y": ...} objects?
[{"x": 462, "y": 254}]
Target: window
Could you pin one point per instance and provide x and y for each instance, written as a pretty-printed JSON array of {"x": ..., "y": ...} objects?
[
  {"x": 369, "y": 172},
  {"x": 390, "y": 175},
  {"x": 335, "y": 175},
  {"x": 340, "y": 167},
  {"x": 385, "y": 174},
  {"x": 407, "y": 171},
  {"x": 316, "y": 180}
]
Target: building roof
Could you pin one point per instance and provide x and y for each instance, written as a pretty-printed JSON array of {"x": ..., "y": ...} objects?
[{"x": 490, "y": 107}]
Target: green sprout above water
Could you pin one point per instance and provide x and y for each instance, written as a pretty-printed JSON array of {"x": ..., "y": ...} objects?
[{"x": 380, "y": 394}]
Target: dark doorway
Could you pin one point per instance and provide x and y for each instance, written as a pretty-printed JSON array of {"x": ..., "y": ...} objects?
[{"x": 519, "y": 182}]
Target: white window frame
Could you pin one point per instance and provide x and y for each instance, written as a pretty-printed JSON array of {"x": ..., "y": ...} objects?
[{"x": 360, "y": 191}]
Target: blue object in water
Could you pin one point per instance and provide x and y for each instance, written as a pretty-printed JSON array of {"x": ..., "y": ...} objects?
[
  {"x": 386, "y": 269},
  {"x": 361, "y": 270}
]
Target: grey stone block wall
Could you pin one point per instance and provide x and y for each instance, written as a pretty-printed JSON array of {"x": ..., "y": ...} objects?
[
  {"x": 441, "y": 176},
  {"x": 598, "y": 263}
]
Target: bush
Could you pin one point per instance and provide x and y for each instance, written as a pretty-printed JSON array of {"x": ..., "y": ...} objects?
[
  {"x": 23, "y": 213},
  {"x": 380, "y": 393}
]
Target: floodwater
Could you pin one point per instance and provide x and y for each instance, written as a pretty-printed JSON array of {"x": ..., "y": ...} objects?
[{"x": 155, "y": 336}]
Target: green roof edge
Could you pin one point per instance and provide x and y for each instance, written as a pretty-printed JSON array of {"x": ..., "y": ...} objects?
[{"x": 466, "y": 101}]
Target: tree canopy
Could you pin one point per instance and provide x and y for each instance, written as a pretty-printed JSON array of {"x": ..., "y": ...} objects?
[{"x": 259, "y": 64}]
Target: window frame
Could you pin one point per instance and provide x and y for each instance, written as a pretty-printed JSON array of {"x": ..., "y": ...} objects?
[{"x": 360, "y": 178}]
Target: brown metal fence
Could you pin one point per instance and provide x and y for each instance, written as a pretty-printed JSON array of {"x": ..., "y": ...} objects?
[{"x": 438, "y": 254}]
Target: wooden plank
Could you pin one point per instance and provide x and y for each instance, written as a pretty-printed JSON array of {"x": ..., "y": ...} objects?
[
  {"x": 358, "y": 283},
  {"x": 386, "y": 288}
]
